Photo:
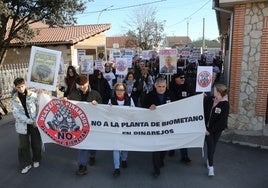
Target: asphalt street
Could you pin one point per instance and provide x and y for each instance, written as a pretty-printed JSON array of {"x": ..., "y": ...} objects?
[{"x": 235, "y": 166}]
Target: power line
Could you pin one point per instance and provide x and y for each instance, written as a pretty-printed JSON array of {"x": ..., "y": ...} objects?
[
  {"x": 126, "y": 7},
  {"x": 189, "y": 17},
  {"x": 138, "y": 5}
]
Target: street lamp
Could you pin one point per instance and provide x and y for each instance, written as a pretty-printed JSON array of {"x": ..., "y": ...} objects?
[{"x": 105, "y": 9}]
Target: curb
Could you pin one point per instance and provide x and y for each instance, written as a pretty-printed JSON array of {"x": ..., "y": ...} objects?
[
  {"x": 242, "y": 143},
  {"x": 250, "y": 138}
]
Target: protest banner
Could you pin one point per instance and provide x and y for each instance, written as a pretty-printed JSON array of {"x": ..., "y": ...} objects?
[{"x": 83, "y": 125}]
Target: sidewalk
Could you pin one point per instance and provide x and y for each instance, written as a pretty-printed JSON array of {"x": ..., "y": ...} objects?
[{"x": 247, "y": 138}]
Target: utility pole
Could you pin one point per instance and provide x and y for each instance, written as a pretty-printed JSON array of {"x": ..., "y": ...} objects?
[
  {"x": 188, "y": 19},
  {"x": 204, "y": 42},
  {"x": 188, "y": 28}
]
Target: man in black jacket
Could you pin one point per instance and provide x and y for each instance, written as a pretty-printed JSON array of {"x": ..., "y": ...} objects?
[
  {"x": 160, "y": 95},
  {"x": 181, "y": 89}
]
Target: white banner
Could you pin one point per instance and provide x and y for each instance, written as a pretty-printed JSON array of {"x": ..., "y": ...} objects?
[{"x": 82, "y": 125}]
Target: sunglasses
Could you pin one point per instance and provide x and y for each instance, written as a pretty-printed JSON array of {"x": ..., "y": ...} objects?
[{"x": 182, "y": 77}]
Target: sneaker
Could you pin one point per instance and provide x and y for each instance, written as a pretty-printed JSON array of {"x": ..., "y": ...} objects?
[
  {"x": 26, "y": 169},
  {"x": 91, "y": 161},
  {"x": 82, "y": 170},
  {"x": 124, "y": 164},
  {"x": 116, "y": 172},
  {"x": 186, "y": 160},
  {"x": 36, "y": 164},
  {"x": 211, "y": 171}
]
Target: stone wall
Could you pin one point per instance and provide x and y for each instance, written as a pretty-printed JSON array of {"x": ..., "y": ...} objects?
[{"x": 247, "y": 118}]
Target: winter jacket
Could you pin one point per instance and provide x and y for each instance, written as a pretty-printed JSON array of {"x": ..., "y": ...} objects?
[
  {"x": 92, "y": 95},
  {"x": 216, "y": 118},
  {"x": 152, "y": 98},
  {"x": 181, "y": 91},
  {"x": 103, "y": 87},
  {"x": 21, "y": 120}
]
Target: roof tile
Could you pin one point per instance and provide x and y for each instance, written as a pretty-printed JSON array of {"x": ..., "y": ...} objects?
[{"x": 67, "y": 34}]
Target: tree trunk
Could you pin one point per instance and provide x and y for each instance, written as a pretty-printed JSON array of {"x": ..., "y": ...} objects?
[{"x": 3, "y": 52}]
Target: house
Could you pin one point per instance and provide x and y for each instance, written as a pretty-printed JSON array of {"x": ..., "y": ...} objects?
[
  {"x": 243, "y": 27},
  {"x": 121, "y": 42},
  {"x": 68, "y": 40},
  {"x": 176, "y": 41}
]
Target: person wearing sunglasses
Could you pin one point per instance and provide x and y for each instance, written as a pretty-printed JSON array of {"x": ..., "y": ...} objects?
[
  {"x": 181, "y": 89},
  {"x": 120, "y": 98}
]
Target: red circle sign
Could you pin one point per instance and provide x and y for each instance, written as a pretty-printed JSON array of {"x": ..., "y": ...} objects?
[
  {"x": 204, "y": 78},
  {"x": 64, "y": 122}
]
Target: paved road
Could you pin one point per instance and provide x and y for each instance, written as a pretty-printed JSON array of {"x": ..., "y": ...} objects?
[{"x": 235, "y": 166}]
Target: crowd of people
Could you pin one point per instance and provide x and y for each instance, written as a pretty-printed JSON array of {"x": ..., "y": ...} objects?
[{"x": 143, "y": 86}]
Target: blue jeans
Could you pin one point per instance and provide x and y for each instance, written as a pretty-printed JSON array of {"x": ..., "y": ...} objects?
[
  {"x": 83, "y": 156},
  {"x": 119, "y": 155}
]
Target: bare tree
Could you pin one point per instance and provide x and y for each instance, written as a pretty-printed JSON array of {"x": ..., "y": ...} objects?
[
  {"x": 146, "y": 28},
  {"x": 16, "y": 16}
]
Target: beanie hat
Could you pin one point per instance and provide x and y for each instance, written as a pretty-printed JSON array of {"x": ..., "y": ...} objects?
[
  {"x": 82, "y": 79},
  {"x": 179, "y": 73}
]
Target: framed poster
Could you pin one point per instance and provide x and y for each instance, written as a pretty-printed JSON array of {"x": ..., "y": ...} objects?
[
  {"x": 100, "y": 53},
  {"x": 87, "y": 64},
  {"x": 168, "y": 61},
  {"x": 121, "y": 66},
  {"x": 80, "y": 53},
  {"x": 43, "y": 68}
]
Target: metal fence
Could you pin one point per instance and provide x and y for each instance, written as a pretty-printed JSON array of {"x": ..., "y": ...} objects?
[{"x": 8, "y": 74}]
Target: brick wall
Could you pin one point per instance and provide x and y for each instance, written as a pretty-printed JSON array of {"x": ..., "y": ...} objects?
[
  {"x": 22, "y": 55},
  {"x": 19, "y": 55},
  {"x": 237, "y": 49},
  {"x": 263, "y": 79}
]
